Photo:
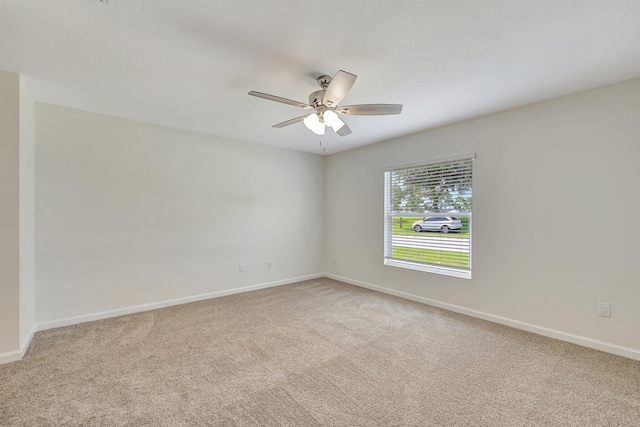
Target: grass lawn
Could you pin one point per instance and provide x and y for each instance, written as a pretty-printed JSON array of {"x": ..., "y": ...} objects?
[{"x": 454, "y": 259}]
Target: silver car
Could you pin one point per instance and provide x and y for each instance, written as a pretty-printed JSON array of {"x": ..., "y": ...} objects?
[{"x": 444, "y": 224}]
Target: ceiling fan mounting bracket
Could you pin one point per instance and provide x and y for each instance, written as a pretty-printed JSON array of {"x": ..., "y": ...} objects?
[{"x": 324, "y": 81}]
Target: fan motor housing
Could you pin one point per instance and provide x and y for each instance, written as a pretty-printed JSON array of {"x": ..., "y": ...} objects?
[{"x": 315, "y": 99}]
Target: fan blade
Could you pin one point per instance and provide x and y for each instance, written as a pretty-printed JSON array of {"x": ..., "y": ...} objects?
[
  {"x": 279, "y": 99},
  {"x": 290, "y": 122},
  {"x": 344, "y": 130},
  {"x": 338, "y": 88},
  {"x": 371, "y": 109}
]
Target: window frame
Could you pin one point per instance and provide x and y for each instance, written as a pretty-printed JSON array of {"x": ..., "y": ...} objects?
[{"x": 388, "y": 218}]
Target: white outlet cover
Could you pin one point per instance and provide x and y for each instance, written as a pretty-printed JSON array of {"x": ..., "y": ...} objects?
[{"x": 604, "y": 309}]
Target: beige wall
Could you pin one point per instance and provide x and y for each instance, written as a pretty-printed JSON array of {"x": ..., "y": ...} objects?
[
  {"x": 9, "y": 212},
  {"x": 27, "y": 215},
  {"x": 129, "y": 213},
  {"x": 17, "y": 204},
  {"x": 554, "y": 203}
]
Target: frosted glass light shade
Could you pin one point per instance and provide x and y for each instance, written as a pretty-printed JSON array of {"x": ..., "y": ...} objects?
[
  {"x": 332, "y": 119},
  {"x": 312, "y": 122}
]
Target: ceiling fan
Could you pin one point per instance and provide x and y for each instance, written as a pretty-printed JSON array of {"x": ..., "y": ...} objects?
[{"x": 324, "y": 104}]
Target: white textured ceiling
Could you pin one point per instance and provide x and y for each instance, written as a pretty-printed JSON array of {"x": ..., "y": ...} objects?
[{"x": 190, "y": 64}]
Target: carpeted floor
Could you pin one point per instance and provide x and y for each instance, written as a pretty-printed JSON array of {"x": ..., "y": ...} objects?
[{"x": 315, "y": 353}]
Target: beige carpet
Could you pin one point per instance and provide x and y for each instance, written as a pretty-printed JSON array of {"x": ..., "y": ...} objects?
[{"x": 314, "y": 353}]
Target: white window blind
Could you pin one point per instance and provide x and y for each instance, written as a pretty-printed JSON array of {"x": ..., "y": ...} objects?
[{"x": 428, "y": 217}]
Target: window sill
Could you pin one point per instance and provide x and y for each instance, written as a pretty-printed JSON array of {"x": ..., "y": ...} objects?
[{"x": 447, "y": 271}]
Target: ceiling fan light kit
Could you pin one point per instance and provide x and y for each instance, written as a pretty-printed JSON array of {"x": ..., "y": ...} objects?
[
  {"x": 313, "y": 123},
  {"x": 332, "y": 119},
  {"x": 325, "y": 104}
]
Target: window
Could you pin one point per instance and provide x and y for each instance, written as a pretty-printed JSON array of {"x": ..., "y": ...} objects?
[{"x": 427, "y": 217}]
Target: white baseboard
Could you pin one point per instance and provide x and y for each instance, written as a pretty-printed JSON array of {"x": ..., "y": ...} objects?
[
  {"x": 540, "y": 330},
  {"x": 168, "y": 303},
  {"x": 630, "y": 353},
  {"x": 10, "y": 356},
  {"x": 14, "y": 356},
  {"x": 26, "y": 345}
]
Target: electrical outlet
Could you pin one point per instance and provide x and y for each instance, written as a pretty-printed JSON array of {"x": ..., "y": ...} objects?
[
  {"x": 604, "y": 309},
  {"x": 335, "y": 260},
  {"x": 241, "y": 268},
  {"x": 269, "y": 265}
]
